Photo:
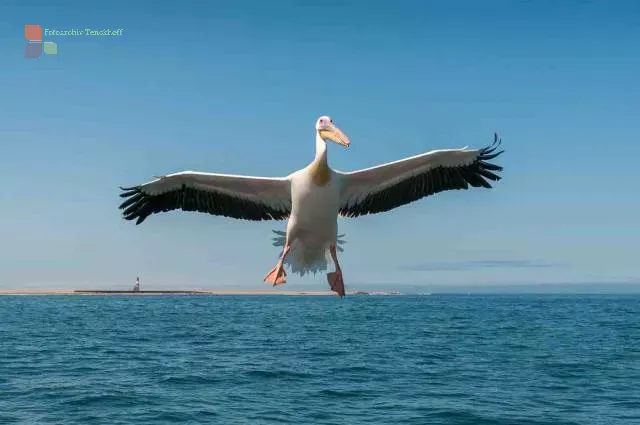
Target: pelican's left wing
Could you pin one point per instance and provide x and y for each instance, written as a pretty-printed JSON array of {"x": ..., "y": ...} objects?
[
  {"x": 241, "y": 197},
  {"x": 382, "y": 188}
]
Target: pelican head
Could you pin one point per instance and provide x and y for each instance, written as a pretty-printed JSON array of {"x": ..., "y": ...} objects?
[{"x": 328, "y": 131}]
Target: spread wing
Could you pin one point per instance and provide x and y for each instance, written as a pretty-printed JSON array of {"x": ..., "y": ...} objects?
[
  {"x": 241, "y": 197},
  {"x": 384, "y": 187}
]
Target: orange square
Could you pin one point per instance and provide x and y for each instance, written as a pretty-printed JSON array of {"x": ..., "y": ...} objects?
[{"x": 33, "y": 32}]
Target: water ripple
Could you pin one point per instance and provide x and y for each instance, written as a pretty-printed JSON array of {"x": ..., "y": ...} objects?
[{"x": 497, "y": 360}]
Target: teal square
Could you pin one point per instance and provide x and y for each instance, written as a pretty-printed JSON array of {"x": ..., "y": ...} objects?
[{"x": 50, "y": 48}]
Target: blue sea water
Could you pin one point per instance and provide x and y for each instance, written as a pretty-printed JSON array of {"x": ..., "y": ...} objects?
[{"x": 320, "y": 360}]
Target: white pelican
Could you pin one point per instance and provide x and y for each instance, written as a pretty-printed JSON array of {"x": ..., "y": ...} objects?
[{"x": 312, "y": 198}]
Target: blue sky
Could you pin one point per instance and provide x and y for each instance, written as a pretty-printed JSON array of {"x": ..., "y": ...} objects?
[{"x": 236, "y": 86}]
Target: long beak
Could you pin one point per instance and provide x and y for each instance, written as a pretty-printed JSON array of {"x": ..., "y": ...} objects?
[{"x": 335, "y": 135}]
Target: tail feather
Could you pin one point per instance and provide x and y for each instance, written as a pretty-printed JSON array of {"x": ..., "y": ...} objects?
[
  {"x": 301, "y": 260},
  {"x": 282, "y": 236}
]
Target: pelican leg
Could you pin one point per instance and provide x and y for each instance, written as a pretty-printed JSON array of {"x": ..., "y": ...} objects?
[
  {"x": 277, "y": 276},
  {"x": 335, "y": 278}
]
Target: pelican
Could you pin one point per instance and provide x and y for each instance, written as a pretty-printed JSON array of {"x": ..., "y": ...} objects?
[{"x": 313, "y": 197}]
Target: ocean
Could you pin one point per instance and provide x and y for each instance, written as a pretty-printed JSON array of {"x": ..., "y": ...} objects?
[{"x": 439, "y": 359}]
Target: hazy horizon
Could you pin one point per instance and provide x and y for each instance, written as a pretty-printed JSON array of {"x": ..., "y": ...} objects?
[{"x": 520, "y": 288}]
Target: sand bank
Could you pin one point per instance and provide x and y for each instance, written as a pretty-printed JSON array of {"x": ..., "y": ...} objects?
[{"x": 161, "y": 292}]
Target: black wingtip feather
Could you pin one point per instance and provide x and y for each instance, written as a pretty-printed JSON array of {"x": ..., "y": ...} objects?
[{"x": 485, "y": 157}]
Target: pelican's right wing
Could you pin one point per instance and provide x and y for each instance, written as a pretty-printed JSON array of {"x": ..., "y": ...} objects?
[
  {"x": 385, "y": 187},
  {"x": 241, "y": 197}
]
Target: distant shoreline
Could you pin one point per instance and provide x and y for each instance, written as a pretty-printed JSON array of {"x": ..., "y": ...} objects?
[
  {"x": 162, "y": 292},
  {"x": 540, "y": 289}
]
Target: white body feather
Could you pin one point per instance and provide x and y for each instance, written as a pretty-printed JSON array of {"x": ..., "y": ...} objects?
[{"x": 313, "y": 224}]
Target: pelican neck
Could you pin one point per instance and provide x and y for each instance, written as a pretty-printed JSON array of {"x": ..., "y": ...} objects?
[{"x": 321, "y": 148}]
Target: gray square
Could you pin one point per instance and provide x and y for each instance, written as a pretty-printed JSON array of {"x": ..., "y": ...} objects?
[{"x": 33, "y": 50}]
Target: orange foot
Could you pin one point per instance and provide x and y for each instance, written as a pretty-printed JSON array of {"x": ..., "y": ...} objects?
[
  {"x": 336, "y": 283},
  {"x": 277, "y": 276}
]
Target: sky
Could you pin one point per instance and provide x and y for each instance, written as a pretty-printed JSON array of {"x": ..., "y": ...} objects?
[{"x": 236, "y": 87}]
